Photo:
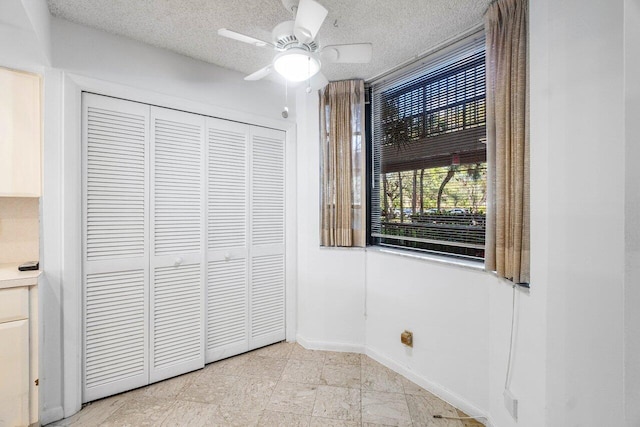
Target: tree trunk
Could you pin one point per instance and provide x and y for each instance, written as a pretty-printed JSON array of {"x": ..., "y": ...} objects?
[
  {"x": 446, "y": 179},
  {"x": 414, "y": 194},
  {"x": 401, "y": 199},
  {"x": 421, "y": 191},
  {"x": 385, "y": 201}
]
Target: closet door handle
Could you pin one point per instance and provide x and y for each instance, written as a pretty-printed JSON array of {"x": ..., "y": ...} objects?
[{"x": 178, "y": 261}]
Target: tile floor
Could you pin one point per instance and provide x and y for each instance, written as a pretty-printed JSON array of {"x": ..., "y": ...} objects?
[{"x": 280, "y": 385}]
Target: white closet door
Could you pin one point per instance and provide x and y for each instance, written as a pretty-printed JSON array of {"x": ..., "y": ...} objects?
[
  {"x": 267, "y": 229},
  {"x": 227, "y": 226},
  {"x": 177, "y": 261},
  {"x": 115, "y": 245}
]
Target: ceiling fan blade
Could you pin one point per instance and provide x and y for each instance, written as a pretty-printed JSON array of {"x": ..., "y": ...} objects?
[
  {"x": 348, "y": 53},
  {"x": 243, "y": 38},
  {"x": 309, "y": 19},
  {"x": 262, "y": 72},
  {"x": 318, "y": 82}
]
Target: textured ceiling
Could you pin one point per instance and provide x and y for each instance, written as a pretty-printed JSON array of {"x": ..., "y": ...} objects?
[{"x": 398, "y": 29}]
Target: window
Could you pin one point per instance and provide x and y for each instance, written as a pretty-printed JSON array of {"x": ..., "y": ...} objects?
[{"x": 429, "y": 170}]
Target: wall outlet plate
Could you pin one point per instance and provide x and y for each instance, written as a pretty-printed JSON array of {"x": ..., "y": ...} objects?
[
  {"x": 406, "y": 338},
  {"x": 511, "y": 403}
]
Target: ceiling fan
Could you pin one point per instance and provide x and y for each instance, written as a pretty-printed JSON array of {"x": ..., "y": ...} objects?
[{"x": 299, "y": 56}]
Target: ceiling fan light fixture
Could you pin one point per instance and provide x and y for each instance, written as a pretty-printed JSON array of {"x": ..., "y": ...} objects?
[{"x": 296, "y": 65}]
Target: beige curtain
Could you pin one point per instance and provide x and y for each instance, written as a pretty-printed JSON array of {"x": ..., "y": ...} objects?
[
  {"x": 507, "y": 246},
  {"x": 342, "y": 164}
]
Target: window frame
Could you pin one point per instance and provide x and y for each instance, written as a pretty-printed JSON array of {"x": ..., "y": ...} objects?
[{"x": 431, "y": 68}]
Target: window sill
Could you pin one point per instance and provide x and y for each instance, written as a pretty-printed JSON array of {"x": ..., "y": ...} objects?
[{"x": 432, "y": 258}]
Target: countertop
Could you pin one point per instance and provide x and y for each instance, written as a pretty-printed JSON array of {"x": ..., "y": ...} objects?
[{"x": 10, "y": 277}]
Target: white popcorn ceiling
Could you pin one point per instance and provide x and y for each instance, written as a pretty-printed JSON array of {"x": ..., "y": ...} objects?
[{"x": 398, "y": 29}]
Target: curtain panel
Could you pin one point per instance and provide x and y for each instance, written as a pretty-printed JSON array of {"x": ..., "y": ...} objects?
[
  {"x": 342, "y": 199},
  {"x": 507, "y": 242}
]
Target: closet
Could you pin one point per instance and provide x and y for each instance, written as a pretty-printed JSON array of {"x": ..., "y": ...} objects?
[{"x": 183, "y": 244}]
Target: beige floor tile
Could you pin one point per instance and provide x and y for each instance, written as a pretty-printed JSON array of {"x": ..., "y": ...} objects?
[
  {"x": 326, "y": 422},
  {"x": 281, "y": 350},
  {"x": 263, "y": 367},
  {"x": 366, "y": 360},
  {"x": 296, "y": 398},
  {"x": 470, "y": 422},
  {"x": 341, "y": 375},
  {"x": 385, "y": 408},
  {"x": 299, "y": 352},
  {"x": 338, "y": 358},
  {"x": 230, "y": 392},
  {"x": 230, "y": 366},
  {"x": 423, "y": 407},
  {"x": 412, "y": 388},
  {"x": 338, "y": 403},
  {"x": 280, "y": 385},
  {"x": 167, "y": 389},
  {"x": 197, "y": 414},
  {"x": 303, "y": 371},
  {"x": 280, "y": 419},
  {"x": 141, "y": 411},
  {"x": 376, "y": 377},
  {"x": 94, "y": 413}
]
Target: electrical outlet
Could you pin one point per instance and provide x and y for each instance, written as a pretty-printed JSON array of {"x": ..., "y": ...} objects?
[
  {"x": 406, "y": 338},
  {"x": 511, "y": 403}
]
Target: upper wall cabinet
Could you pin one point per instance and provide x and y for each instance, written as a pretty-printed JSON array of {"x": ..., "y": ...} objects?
[{"x": 19, "y": 134}]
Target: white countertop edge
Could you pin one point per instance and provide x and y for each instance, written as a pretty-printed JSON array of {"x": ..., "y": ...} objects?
[{"x": 10, "y": 277}]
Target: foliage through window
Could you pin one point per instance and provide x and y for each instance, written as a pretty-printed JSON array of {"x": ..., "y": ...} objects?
[{"x": 429, "y": 156}]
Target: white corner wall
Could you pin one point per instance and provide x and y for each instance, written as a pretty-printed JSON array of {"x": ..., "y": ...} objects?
[
  {"x": 578, "y": 91},
  {"x": 632, "y": 210},
  {"x": 330, "y": 281}
]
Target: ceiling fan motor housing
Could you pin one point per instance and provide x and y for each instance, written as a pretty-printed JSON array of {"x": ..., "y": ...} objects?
[{"x": 283, "y": 38}]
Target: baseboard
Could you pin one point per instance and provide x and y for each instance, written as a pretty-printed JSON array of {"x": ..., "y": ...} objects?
[
  {"x": 329, "y": 346},
  {"x": 433, "y": 387},
  {"x": 50, "y": 415}
]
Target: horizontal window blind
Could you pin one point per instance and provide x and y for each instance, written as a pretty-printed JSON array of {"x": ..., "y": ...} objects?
[{"x": 429, "y": 153}]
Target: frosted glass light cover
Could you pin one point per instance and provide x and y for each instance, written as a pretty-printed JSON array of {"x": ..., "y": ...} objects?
[{"x": 296, "y": 65}]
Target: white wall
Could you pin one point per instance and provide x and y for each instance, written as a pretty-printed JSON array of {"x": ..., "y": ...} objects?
[
  {"x": 85, "y": 51},
  {"x": 447, "y": 309},
  {"x": 20, "y": 45},
  {"x": 330, "y": 281},
  {"x": 632, "y": 212},
  {"x": 583, "y": 127}
]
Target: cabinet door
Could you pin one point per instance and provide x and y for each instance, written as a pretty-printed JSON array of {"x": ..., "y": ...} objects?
[
  {"x": 14, "y": 373},
  {"x": 177, "y": 261},
  {"x": 19, "y": 134},
  {"x": 115, "y": 245},
  {"x": 267, "y": 262},
  {"x": 227, "y": 226}
]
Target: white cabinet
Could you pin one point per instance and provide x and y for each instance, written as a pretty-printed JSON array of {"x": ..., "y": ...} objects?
[
  {"x": 20, "y": 124},
  {"x": 18, "y": 357}
]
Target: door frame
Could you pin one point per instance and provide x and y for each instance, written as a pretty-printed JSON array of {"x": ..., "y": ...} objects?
[{"x": 70, "y": 210}]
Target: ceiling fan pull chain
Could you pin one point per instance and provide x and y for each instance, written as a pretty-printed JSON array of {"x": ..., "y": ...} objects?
[{"x": 285, "y": 111}]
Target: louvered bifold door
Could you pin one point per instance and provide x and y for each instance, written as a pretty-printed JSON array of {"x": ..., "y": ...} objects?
[
  {"x": 267, "y": 230},
  {"x": 115, "y": 145},
  {"x": 227, "y": 239},
  {"x": 177, "y": 257}
]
